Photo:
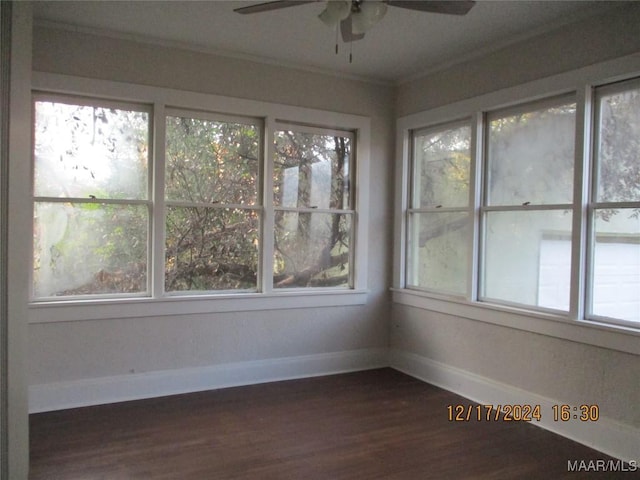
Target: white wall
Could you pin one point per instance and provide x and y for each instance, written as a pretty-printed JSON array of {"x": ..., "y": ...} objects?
[
  {"x": 576, "y": 45},
  {"x": 18, "y": 251},
  {"x": 68, "y": 356},
  {"x": 534, "y": 365}
]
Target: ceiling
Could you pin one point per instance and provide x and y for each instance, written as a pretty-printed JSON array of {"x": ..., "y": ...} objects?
[{"x": 403, "y": 45}]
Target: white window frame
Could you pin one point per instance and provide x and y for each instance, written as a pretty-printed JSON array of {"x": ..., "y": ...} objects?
[
  {"x": 487, "y": 207},
  {"x": 594, "y": 204},
  {"x": 468, "y": 208},
  {"x": 162, "y": 203},
  {"x": 350, "y": 211},
  {"x": 573, "y": 325},
  {"x": 272, "y": 115},
  {"x": 39, "y": 96}
]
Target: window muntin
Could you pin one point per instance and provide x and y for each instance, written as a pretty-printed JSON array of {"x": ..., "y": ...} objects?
[
  {"x": 312, "y": 196},
  {"x": 212, "y": 220},
  {"x": 528, "y": 195},
  {"x": 439, "y": 218},
  {"x": 91, "y": 213},
  {"x": 614, "y": 239}
]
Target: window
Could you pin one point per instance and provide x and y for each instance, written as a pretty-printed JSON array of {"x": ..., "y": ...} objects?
[
  {"x": 439, "y": 217},
  {"x": 515, "y": 208},
  {"x": 615, "y": 205},
  {"x": 528, "y": 198},
  {"x": 150, "y": 201},
  {"x": 313, "y": 230},
  {"x": 212, "y": 233},
  {"x": 91, "y": 198}
]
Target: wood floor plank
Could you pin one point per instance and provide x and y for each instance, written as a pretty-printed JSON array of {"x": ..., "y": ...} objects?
[{"x": 378, "y": 424}]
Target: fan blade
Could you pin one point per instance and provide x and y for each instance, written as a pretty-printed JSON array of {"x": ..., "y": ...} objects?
[
  {"x": 450, "y": 7},
  {"x": 347, "y": 31},
  {"x": 275, "y": 5}
]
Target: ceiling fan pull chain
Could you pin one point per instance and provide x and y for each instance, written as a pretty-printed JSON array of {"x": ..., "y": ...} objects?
[
  {"x": 337, "y": 29},
  {"x": 351, "y": 52}
]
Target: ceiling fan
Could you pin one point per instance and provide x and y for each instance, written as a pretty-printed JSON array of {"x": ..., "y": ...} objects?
[{"x": 356, "y": 17}]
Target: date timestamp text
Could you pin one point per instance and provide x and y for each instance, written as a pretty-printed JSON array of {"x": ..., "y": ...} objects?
[{"x": 520, "y": 413}]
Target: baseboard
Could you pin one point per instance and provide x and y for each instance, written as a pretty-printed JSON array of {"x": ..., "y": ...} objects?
[
  {"x": 605, "y": 435},
  {"x": 96, "y": 391}
]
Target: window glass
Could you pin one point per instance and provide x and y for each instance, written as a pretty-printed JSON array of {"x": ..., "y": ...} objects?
[
  {"x": 616, "y": 265},
  {"x": 439, "y": 247},
  {"x": 618, "y": 161},
  {"x": 211, "y": 249},
  {"x": 441, "y": 160},
  {"x": 311, "y": 250},
  {"x": 89, "y": 248},
  {"x": 311, "y": 170},
  {"x": 531, "y": 156},
  {"x": 83, "y": 151},
  {"x": 211, "y": 161},
  {"x": 520, "y": 263}
]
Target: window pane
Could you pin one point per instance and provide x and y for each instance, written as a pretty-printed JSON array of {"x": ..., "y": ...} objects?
[
  {"x": 89, "y": 248},
  {"x": 311, "y": 250},
  {"x": 616, "y": 265},
  {"x": 531, "y": 157},
  {"x": 311, "y": 170},
  {"x": 521, "y": 265},
  {"x": 211, "y": 249},
  {"x": 439, "y": 251},
  {"x": 442, "y": 162},
  {"x": 619, "y": 147},
  {"x": 211, "y": 162},
  {"x": 83, "y": 151}
]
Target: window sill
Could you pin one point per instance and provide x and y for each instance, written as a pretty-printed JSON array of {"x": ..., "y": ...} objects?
[
  {"x": 78, "y": 310},
  {"x": 592, "y": 333}
]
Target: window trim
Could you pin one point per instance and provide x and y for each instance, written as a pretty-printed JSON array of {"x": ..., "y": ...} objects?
[
  {"x": 165, "y": 100},
  {"x": 573, "y": 326}
]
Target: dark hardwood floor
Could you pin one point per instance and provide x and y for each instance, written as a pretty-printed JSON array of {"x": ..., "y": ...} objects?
[{"x": 378, "y": 424}]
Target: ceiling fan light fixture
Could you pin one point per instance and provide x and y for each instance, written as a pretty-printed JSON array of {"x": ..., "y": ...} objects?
[
  {"x": 335, "y": 12},
  {"x": 368, "y": 15}
]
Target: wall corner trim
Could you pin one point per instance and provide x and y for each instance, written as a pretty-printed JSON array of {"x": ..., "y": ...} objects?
[{"x": 606, "y": 435}]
